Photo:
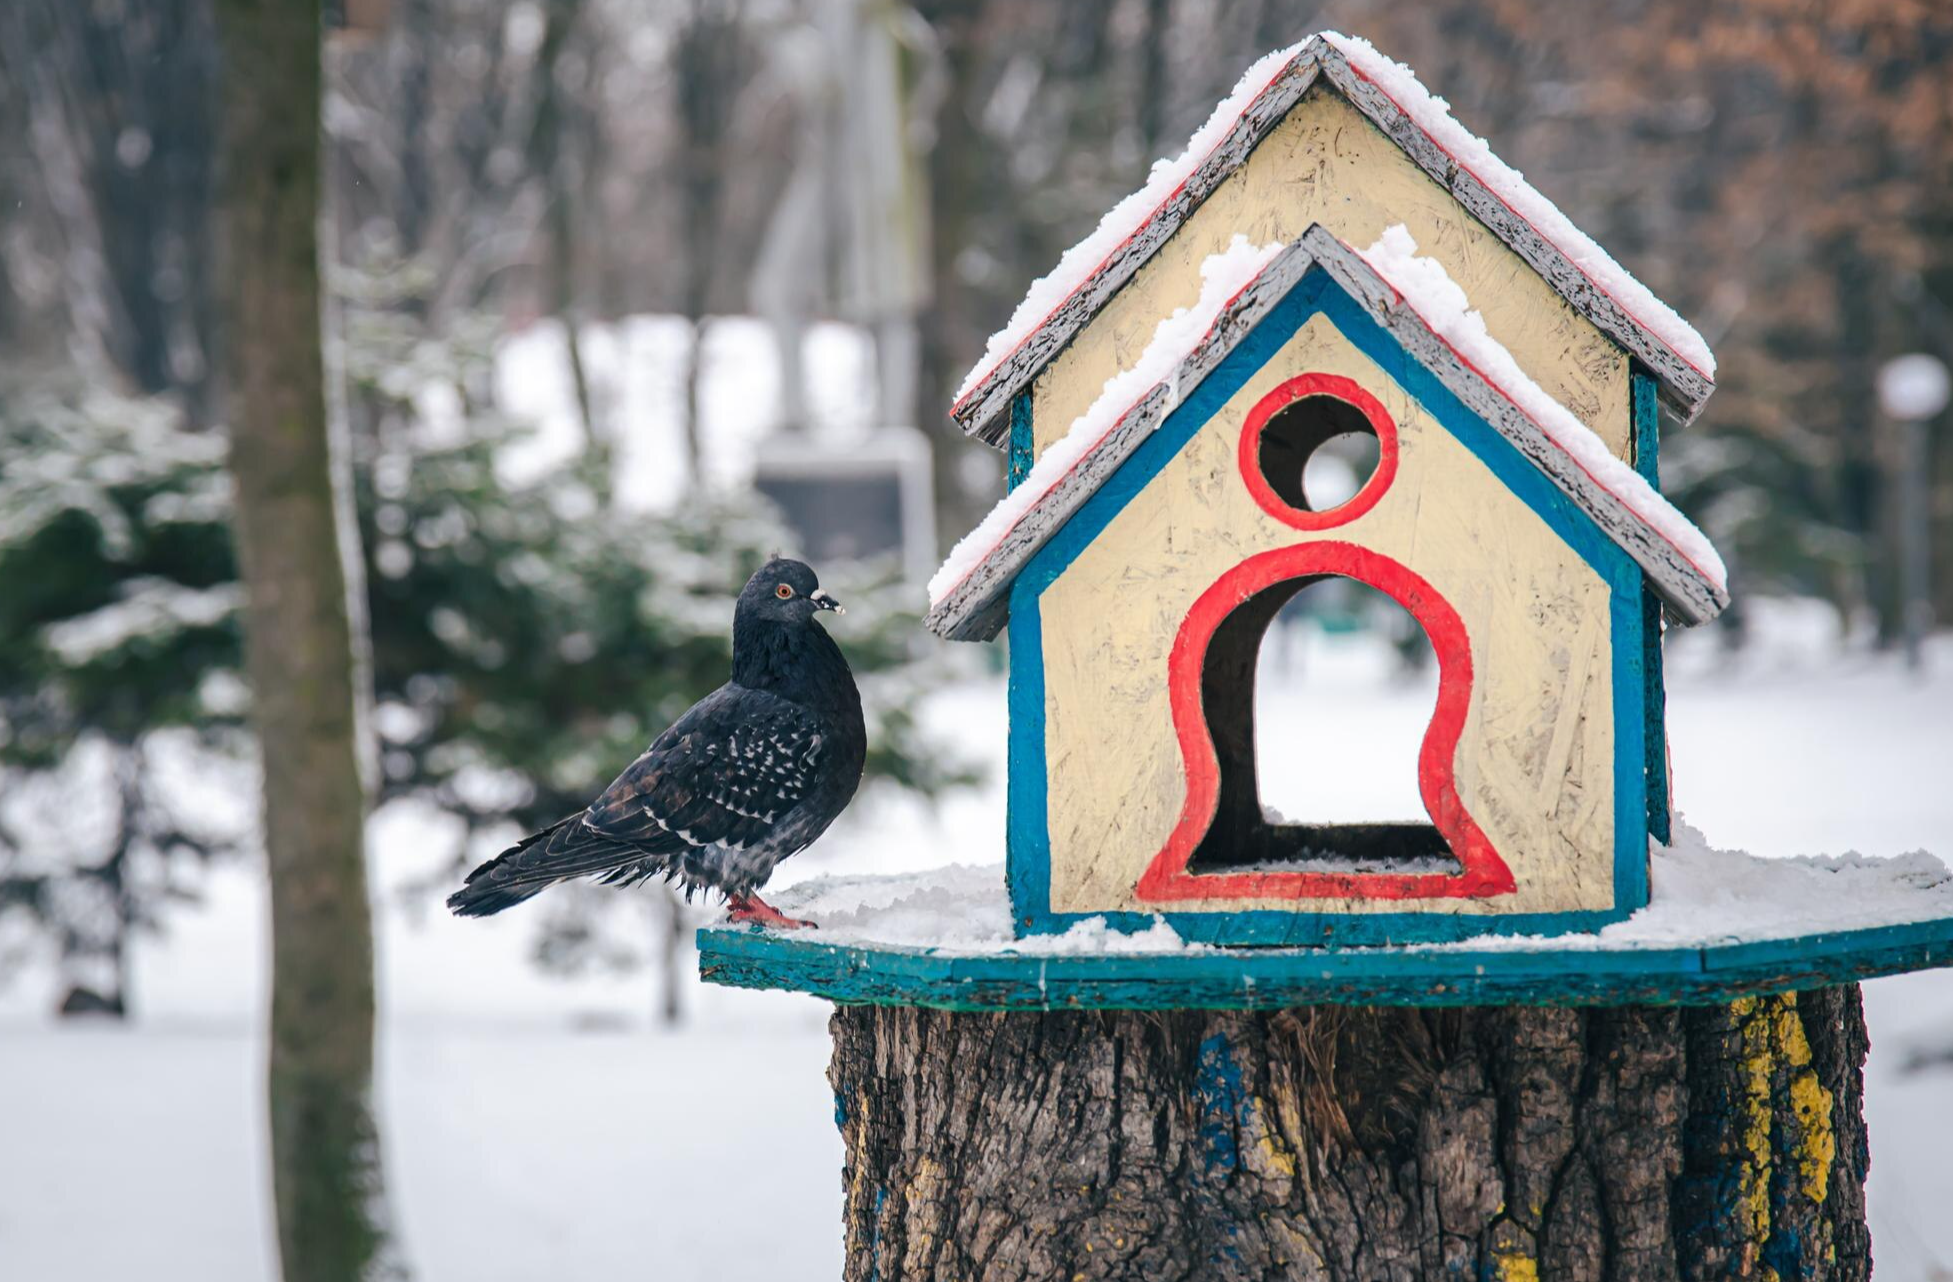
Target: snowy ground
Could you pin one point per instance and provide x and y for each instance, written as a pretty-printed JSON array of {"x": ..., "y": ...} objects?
[{"x": 543, "y": 1128}]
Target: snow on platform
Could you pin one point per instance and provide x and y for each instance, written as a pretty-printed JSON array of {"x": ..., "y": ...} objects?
[{"x": 1719, "y": 924}]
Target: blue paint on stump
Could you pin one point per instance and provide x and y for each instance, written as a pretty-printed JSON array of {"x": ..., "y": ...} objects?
[{"x": 1217, "y": 1088}]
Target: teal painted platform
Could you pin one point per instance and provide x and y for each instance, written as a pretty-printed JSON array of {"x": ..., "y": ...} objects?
[{"x": 1270, "y": 978}]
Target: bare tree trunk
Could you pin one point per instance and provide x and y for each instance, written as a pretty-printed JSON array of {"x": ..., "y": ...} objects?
[
  {"x": 548, "y": 162},
  {"x": 300, "y": 650},
  {"x": 708, "y": 63},
  {"x": 1357, "y": 1143}
]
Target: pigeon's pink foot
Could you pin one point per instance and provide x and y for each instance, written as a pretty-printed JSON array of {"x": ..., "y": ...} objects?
[{"x": 752, "y": 908}]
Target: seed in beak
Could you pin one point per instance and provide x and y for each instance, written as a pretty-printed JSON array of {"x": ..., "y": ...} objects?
[{"x": 820, "y": 598}]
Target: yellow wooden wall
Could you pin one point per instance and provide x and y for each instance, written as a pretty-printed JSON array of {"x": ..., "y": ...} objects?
[
  {"x": 1535, "y": 760},
  {"x": 1326, "y": 163}
]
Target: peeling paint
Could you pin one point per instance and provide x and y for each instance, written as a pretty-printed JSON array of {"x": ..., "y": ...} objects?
[{"x": 1217, "y": 1087}]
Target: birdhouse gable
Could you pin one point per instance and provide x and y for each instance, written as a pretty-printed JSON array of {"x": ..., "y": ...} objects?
[
  {"x": 970, "y": 596},
  {"x": 1381, "y": 93}
]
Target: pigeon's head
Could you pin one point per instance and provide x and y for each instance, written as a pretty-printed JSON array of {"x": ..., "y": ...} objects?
[{"x": 786, "y": 591}]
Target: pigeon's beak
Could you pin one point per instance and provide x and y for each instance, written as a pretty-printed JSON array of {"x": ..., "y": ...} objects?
[{"x": 823, "y": 601}]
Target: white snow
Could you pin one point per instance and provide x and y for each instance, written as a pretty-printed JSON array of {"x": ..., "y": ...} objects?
[
  {"x": 1442, "y": 304},
  {"x": 549, "y": 1111},
  {"x": 1433, "y": 116},
  {"x": 636, "y": 368},
  {"x": 1701, "y": 897},
  {"x": 1083, "y": 260},
  {"x": 1222, "y": 276},
  {"x": 958, "y": 909}
]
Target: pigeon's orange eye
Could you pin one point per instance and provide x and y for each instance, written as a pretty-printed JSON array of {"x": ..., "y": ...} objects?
[{"x": 783, "y": 592}]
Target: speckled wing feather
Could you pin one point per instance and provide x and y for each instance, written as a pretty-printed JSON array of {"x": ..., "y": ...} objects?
[
  {"x": 724, "y": 776},
  {"x": 710, "y": 804}
]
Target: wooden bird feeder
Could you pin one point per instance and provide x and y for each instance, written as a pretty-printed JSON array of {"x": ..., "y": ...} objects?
[{"x": 1333, "y": 255}]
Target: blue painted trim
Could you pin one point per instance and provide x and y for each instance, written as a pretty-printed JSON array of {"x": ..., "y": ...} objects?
[
  {"x": 1647, "y": 461},
  {"x": 1029, "y": 849},
  {"x": 1026, "y": 805},
  {"x": 1023, "y": 445},
  {"x": 1270, "y": 979},
  {"x": 1647, "y": 425}
]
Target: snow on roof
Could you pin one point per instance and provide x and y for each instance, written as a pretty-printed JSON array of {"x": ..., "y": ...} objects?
[
  {"x": 1419, "y": 304},
  {"x": 1442, "y": 304},
  {"x": 1088, "y": 274},
  {"x": 1433, "y": 115},
  {"x": 1700, "y": 897},
  {"x": 1083, "y": 260},
  {"x": 1222, "y": 276}
]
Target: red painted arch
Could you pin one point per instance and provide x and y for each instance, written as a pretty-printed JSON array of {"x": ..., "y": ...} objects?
[
  {"x": 1483, "y": 873},
  {"x": 1298, "y": 388}
]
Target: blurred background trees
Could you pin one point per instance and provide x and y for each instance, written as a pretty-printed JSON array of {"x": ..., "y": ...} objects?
[{"x": 550, "y": 224}]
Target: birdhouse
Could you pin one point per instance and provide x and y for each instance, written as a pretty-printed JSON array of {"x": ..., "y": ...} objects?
[{"x": 1332, "y": 255}]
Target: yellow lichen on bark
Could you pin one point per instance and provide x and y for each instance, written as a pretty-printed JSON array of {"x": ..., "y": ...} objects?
[
  {"x": 1817, "y": 1145},
  {"x": 1758, "y": 1066},
  {"x": 1517, "y": 1268},
  {"x": 1773, "y": 1035}
]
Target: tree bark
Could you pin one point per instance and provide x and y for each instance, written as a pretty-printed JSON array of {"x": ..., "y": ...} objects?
[
  {"x": 1357, "y": 1143},
  {"x": 300, "y": 638}
]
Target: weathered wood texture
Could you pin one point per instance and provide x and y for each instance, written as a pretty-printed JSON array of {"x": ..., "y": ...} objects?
[
  {"x": 1359, "y": 1143},
  {"x": 1534, "y": 762}
]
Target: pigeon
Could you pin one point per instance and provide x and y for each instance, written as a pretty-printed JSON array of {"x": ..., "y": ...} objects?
[{"x": 753, "y": 773}]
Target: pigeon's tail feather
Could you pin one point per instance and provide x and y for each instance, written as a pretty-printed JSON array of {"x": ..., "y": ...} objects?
[
  {"x": 485, "y": 899},
  {"x": 565, "y": 849}
]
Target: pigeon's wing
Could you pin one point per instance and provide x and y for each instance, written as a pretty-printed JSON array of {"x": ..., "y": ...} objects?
[{"x": 726, "y": 774}]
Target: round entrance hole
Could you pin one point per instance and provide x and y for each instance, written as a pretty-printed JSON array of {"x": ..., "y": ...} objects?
[{"x": 1317, "y": 453}]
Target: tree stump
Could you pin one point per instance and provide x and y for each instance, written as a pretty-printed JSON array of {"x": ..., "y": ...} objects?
[{"x": 1365, "y": 1143}]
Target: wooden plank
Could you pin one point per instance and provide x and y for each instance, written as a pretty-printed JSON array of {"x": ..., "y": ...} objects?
[
  {"x": 1588, "y": 648},
  {"x": 1268, "y": 979}
]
